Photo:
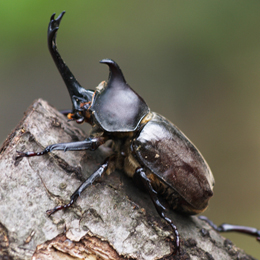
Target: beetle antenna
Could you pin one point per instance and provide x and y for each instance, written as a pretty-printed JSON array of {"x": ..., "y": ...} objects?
[{"x": 115, "y": 73}]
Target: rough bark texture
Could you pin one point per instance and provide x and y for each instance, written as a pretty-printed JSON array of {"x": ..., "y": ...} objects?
[{"x": 111, "y": 220}]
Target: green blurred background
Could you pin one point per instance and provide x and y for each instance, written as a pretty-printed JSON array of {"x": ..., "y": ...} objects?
[{"x": 195, "y": 62}]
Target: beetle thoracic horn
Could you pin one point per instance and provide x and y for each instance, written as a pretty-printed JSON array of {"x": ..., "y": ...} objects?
[{"x": 115, "y": 73}]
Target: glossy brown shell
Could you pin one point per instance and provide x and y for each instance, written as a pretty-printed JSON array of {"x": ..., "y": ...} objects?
[{"x": 169, "y": 154}]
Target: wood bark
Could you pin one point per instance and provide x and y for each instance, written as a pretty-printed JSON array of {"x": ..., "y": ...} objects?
[{"x": 112, "y": 219}]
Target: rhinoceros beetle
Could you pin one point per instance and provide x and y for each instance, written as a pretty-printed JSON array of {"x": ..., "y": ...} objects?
[{"x": 147, "y": 146}]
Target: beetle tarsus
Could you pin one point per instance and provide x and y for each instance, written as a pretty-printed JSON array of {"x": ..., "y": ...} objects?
[
  {"x": 88, "y": 144},
  {"x": 52, "y": 211},
  {"x": 140, "y": 175},
  {"x": 20, "y": 155},
  {"x": 233, "y": 228},
  {"x": 29, "y": 154},
  {"x": 89, "y": 181}
]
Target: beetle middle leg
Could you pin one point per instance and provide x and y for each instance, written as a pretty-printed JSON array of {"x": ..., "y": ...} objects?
[
  {"x": 233, "y": 228},
  {"x": 141, "y": 176},
  {"x": 93, "y": 177},
  {"x": 88, "y": 144}
]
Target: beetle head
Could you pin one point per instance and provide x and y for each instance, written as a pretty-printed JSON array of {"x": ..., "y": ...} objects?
[
  {"x": 81, "y": 105},
  {"x": 117, "y": 108}
]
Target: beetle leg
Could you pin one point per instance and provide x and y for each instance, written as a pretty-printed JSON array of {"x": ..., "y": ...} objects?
[
  {"x": 140, "y": 175},
  {"x": 233, "y": 228},
  {"x": 88, "y": 144},
  {"x": 94, "y": 176}
]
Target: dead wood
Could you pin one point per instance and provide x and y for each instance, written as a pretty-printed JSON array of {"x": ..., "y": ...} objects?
[{"x": 111, "y": 220}]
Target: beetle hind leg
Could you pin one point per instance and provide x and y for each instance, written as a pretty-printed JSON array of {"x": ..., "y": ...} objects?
[
  {"x": 141, "y": 177},
  {"x": 233, "y": 228}
]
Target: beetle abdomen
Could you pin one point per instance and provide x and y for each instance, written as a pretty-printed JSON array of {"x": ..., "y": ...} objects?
[
  {"x": 169, "y": 154},
  {"x": 175, "y": 200}
]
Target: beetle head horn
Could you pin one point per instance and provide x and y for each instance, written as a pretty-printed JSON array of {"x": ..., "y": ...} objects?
[
  {"x": 77, "y": 93},
  {"x": 115, "y": 73}
]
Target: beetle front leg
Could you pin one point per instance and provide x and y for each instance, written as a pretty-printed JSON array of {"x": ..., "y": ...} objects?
[
  {"x": 141, "y": 177},
  {"x": 233, "y": 228},
  {"x": 94, "y": 176},
  {"x": 88, "y": 144}
]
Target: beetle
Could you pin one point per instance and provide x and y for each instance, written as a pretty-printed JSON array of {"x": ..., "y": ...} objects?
[{"x": 147, "y": 146}]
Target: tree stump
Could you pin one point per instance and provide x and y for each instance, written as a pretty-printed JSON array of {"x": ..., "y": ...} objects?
[{"x": 112, "y": 219}]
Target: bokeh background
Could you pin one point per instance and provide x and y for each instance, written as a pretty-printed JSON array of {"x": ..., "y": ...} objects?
[{"x": 195, "y": 62}]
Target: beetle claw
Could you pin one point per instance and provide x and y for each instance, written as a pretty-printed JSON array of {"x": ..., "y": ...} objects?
[
  {"x": 20, "y": 155},
  {"x": 49, "y": 212}
]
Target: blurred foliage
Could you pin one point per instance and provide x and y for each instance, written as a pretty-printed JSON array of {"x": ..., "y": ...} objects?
[{"x": 195, "y": 62}]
